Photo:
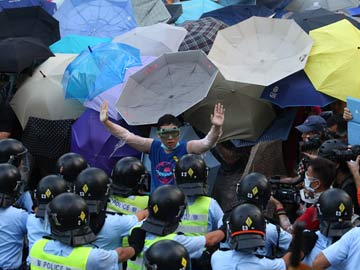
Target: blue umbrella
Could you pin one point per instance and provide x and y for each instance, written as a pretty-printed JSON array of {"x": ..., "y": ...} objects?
[
  {"x": 98, "y": 69},
  {"x": 193, "y": 9},
  {"x": 46, "y": 5},
  {"x": 236, "y": 2},
  {"x": 236, "y": 13},
  {"x": 294, "y": 91},
  {"x": 76, "y": 44},
  {"x": 101, "y": 18}
]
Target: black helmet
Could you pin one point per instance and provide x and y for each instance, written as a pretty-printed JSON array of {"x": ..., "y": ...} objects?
[
  {"x": 191, "y": 175},
  {"x": 335, "y": 209},
  {"x": 167, "y": 255},
  {"x": 246, "y": 227},
  {"x": 327, "y": 148},
  {"x": 69, "y": 220},
  {"x": 47, "y": 189},
  {"x": 70, "y": 165},
  {"x": 166, "y": 207},
  {"x": 254, "y": 188},
  {"x": 12, "y": 151},
  {"x": 129, "y": 175},
  {"x": 93, "y": 185},
  {"x": 10, "y": 183}
]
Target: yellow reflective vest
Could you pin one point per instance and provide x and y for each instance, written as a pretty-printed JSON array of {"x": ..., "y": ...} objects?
[{"x": 129, "y": 205}]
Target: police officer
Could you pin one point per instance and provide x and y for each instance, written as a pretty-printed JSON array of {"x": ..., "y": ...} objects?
[
  {"x": 335, "y": 210},
  {"x": 130, "y": 182},
  {"x": 246, "y": 233},
  {"x": 167, "y": 255},
  {"x": 68, "y": 247},
  {"x": 254, "y": 188},
  {"x": 203, "y": 213},
  {"x": 12, "y": 219},
  {"x": 166, "y": 208},
  {"x": 69, "y": 166}
]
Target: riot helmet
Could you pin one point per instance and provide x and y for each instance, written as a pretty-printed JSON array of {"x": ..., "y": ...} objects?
[
  {"x": 246, "y": 227},
  {"x": 167, "y": 255},
  {"x": 328, "y": 148},
  {"x": 129, "y": 176},
  {"x": 191, "y": 175},
  {"x": 10, "y": 184},
  {"x": 47, "y": 189},
  {"x": 69, "y": 166},
  {"x": 166, "y": 207},
  {"x": 69, "y": 219},
  {"x": 335, "y": 210},
  {"x": 12, "y": 151}
]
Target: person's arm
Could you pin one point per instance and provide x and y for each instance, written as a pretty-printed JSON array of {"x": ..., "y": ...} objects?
[
  {"x": 125, "y": 254},
  {"x": 142, "y": 214},
  {"x": 320, "y": 262},
  {"x": 137, "y": 142},
  {"x": 203, "y": 145},
  {"x": 281, "y": 213},
  {"x": 354, "y": 169},
  {"x": 347, "y": 114},
  {"x": 213, "y": 238}
]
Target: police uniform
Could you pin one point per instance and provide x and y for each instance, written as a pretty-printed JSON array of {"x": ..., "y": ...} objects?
[
  {"x": 25, "y": 201},
  {"x": 36, "y": 229},
  {"x": 127, "y": 206}
]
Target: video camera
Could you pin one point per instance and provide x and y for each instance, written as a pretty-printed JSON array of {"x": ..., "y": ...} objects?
[
  {"x": 312, "y": 144},
  {"x": 346, "y": 154},
  {"x": 286, "y": 193}
]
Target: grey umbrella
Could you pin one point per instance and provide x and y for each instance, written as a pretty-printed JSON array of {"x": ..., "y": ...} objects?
[{"x": 150, "y": 12}]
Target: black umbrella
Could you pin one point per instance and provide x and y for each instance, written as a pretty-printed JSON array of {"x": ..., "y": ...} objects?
[
  {"x": 175, "y": 12},
  {"x": 18, "y": 53},
  {"x": 29, "y": 22}
]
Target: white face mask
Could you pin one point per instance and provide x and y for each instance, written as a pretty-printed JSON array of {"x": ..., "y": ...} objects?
[
  {"x": 309, "y": 197},
  {"x": 307, "y": 183}
]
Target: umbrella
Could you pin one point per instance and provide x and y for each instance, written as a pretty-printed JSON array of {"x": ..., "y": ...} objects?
[
  {"x": 47, "y": 138},
  {"x": 76, "y": 44},
  {"x": 175, "y": 12},
  {"x": 113, "y": 94},
  {"x": 201, "y": 34},
  {"x": 46, "y": 5},
  {"x": 150, "y": 12},
  {"x": 155, "y": 39},
  {"x": 334, "y": 63},
  {"x": 171, "y": 84},
  {"x": 97, "y": 69},
  {"x": 187, "y": 133},
  {"x": 332, "y": 5},
  {"x": 313, "y": 19},
  {"x": 294, "y": 91},
  {"x": 101, "y": 18},
  {"x": 234, "y": 14},
  {"x": 193, "y": 9},
  {"x": 19, "y": 53},
  {"x": 91, "y": 139},
  {"x": 29, "y": 22},
  {"x": 41, "y": 95},
  {"x": 237, "y": 2},
  {"x": 260, "y": 50},
  {"x": 273, "y": 4},
  {"x": 246, "y": 116}
]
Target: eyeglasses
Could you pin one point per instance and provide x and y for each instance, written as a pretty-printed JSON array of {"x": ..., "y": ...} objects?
[
  {"x": 311, "y": 179},
  {"x": 169, "y": 133}
]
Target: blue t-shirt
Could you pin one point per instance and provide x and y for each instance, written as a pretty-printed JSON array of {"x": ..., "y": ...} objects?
[{"x": 162, "y": 163}]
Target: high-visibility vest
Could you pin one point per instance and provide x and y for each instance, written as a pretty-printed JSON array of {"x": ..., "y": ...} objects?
[
  {"x": 39, "y": 259},
  {"x": 129, "y": 205},
  {"x": 196, "y": 219}
]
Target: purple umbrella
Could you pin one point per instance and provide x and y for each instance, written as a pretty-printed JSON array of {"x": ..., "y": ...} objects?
[
  {"x": 112, "y": 95},
  {"x": 90, "y": 138}
]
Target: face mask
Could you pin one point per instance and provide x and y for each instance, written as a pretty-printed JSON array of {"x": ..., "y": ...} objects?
[
  {"x": 163, "y": 146},
  {"x": 309, "y": 197},
  {"x": 307, "y": 183}
]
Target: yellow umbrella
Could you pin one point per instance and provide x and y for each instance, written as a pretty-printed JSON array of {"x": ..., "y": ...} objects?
[{"x": 334, "y": 62}]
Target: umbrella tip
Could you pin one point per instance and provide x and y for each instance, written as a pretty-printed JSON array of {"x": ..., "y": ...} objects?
[
  {"x": 90, "y": 49},
  {"x": 42, "y": 74}
]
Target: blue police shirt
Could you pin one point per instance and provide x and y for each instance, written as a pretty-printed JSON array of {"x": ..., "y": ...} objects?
[
  {"x": 36, "y": 229},
  {"x": 25, "y": 201},
  {"x": 12, "y": 233}
]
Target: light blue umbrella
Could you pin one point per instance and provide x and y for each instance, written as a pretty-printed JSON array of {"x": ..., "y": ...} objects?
[
  {"x": 76, "y": 44},
  {"x": 193, "y": 9},
  {"x": 101, "y": 18},
  {"x": 98, "y": 69}
]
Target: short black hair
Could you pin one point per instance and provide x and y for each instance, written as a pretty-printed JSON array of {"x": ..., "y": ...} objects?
[
  {"x": 168, "y": 119},
  {"x": 324, "y": 170},
  {"x": 337, "y": 119}
]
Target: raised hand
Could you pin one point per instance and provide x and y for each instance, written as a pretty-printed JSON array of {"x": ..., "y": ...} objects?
[
  {"x": 347, "y": 114},
  {"x": 218, "y": 117},
  {"x": 104, "y": 111}
]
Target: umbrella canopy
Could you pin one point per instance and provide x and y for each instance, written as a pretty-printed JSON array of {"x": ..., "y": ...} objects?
[
  {"x": 46, "y": 5},
  {"x": 334, "y": 62},
  {"x": 47, "y": 138},
  {"x": 100, "y": 18},
  {"x": 41, "y": 95},
  {"x": 193, "y": 9},
  {"x": 29, "y": 22},
  {"x": 236, "y": 13},
  {"x": 76, "y": 44},
  {"x": 201, "y": 34},
  {"x": 313, "y": 19},
  {"x": 171, "y": 84},
  {"x": 97, "y": 69},
  {"x": 150, "y": 12},
  {"x": 273, "y": 4},
  {"x": 246, "y": 116},
  {"x": 155, "y": 39},
  {"x": 260, "y": 50},
  {"x": 19, "y": 53},
  {"x": 237, "y": 2},
  {"x": 91, "y": 139},
  {"x": 113, "y": 94},
  {"x": 175, "y": 12},
  {"x": 187, "y": 133},
  {"x": 332, "y": 5},
  {"x": 294, "y": 91}
]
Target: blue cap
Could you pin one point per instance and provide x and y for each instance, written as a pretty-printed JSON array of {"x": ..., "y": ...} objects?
[{"x": 312, "y": 123}]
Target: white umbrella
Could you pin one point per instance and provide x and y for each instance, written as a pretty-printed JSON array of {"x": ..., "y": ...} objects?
[
  {"x": 42, "y": 95},
  {"x": 154, "y": 40},
  {"x": 260, "y": 50},
  {"x": 332, "y": 5}
]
